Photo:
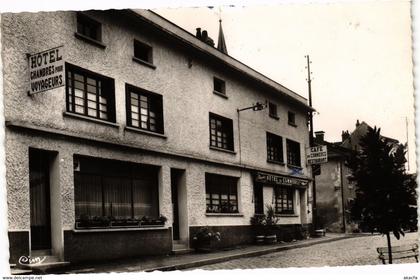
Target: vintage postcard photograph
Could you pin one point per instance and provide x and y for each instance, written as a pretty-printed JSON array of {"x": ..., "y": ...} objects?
[{"x": 214, "y": 137}]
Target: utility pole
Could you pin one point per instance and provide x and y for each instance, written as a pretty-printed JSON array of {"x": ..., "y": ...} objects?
[
  {"x": 311, "y": 143},
  {"x": 408, "y": 155}
]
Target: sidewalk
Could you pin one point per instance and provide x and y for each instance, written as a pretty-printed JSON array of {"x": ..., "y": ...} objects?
[{"x": 172, "y": 262}]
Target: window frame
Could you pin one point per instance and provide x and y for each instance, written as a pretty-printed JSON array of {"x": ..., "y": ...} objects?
[
  {"x": 270, "y": 138},
  {"x": 232, "y": 190},
  {"x": 86, "y": 20},
  {"x": 107, "y": 87},
  {"x": 290, "y": 157},
  {"x": 146, "y": 47},
  {"x": 291, "y": 118},
  {"x": 287, "y": 192},
  {"x": 226, "y": 127},
  {"x": 222, "y": 84},
  {"x": 156, "y": 101},
  {"x": 133, "y": 175},
  {"x": 272, "y": 110}
]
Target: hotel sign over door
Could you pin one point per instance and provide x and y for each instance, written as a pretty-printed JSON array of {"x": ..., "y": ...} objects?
[
  {"x": 280, "y": 180},
  {"x": 46, "y": 70}
]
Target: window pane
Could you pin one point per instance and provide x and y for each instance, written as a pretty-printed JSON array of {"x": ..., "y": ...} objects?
[
  {"x": 92, "y": 112},
  {"x": 135, "y": 123}
]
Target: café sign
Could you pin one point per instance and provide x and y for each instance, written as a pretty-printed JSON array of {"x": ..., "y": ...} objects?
[
  {"x": 280, "y": 180},
  {"x": 317, "y": 154},
  {"x": 46, "y": 70}
]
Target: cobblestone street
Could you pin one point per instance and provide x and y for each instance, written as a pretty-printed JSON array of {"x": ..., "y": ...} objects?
[{"x": 353, "y": 251}]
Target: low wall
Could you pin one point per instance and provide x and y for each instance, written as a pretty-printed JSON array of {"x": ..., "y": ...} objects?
[
  {"x": 107, "y": 245},
  {"x": 18, "y": 245}
]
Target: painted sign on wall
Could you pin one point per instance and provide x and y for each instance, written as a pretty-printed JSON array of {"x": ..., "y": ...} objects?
[
  {"x": 280, "y": 180},
  {"x": 317, "y": 154},
  {"x": 46, "y": 70}
]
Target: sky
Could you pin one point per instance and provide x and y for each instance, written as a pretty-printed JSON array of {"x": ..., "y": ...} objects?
[{"x": 360, "y": 52}]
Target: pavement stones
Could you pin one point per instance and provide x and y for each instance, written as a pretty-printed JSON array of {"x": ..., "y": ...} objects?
[{"x": 344, "y": 252}]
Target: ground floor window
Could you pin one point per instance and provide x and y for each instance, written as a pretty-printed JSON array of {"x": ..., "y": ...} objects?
[
  {"x": 221, "y": 194},
  {"x": 108, "y": 190},
  {"x": 284, "y": 200}
]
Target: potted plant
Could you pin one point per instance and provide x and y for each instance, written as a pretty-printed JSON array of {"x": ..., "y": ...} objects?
[
  {"x": 205, "y": 239},
  {"x": 270, "y": 225},
  {"x": 258, "y": 222}
]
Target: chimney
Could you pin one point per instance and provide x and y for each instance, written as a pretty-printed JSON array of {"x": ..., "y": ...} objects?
[
  {"x": 357, "y": 123},
  {"x": 345, "y": 135},
  {"x": 198, "y": 33},
  {"x": 319, "y": 136},
  {"x": 204, "y": 35}
]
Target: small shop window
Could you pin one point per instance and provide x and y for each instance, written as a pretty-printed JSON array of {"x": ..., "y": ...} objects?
[
  {"x": 109, "y": 192},
  {"x": 221, "y": 132},
  {"x": 221, "y": 194},
  {"x": 89, "y": 94},
  {"x": 274, "y": 148},
  {"x": 293, "y": 153},
  {"x": 284, "y": 200},
  {"x": 144, "y": 109}
]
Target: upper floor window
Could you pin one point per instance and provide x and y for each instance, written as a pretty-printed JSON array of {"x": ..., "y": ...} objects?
[
  {"x": 291, "y": 118},
  {"x": 272, "y": 110},
  {"x": 219, "y": 86},
  {"x": 221, "y": 194},
  {"x": 144, "y": 109},
  {"x": 284, "y": 200},
  {"x": 143, "y": 52},
  {"x": 274, "y": 148},
  {"x": 221, "y": 132},
  {"x": 293, "y": 153},
  {"x": 89, "y": 94},
  {"x": 90, "y": 29}
]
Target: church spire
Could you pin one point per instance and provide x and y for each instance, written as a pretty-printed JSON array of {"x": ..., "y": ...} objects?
[{"x": 221, "y": 44}]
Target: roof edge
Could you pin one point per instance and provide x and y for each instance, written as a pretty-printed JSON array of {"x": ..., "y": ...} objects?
[{"x": 189, "y": 39}]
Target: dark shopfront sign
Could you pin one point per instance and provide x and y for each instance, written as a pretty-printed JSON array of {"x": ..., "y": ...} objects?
[{"x": 266, "y": 178}]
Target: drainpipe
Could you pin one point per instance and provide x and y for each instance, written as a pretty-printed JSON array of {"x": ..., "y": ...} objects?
[{"x": 342, "y": 197}]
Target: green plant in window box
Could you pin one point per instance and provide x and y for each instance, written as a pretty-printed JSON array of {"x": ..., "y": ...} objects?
[
  {"x": 124, "y": 222},
  {"x": 206, "y": 239},
  {"x": 86, "y": 221},
  {"x": 148, "y": 221}
]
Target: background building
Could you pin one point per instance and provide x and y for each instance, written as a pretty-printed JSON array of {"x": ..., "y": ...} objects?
[
  {"x": 334, "y": 193},
  {"x": 143, "y": 144}
]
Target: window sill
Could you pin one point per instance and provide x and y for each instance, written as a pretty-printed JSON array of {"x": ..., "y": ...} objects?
[
  {"x": 221, "y": 94},
  {"x": 141, "y": 131},
  {"x": 224, "y": 214},
  {"x": 90, "y": 40},
  {"x": 275, "y": 162},
  {"x": 286, "y": 215},
  {"x": 82, "y": 117},
  {"x": 274, "y": 117},
  {"x": 143, "y": 62},
  {"x": 294, "y": 166},
  {"x": 292, "y": 124},
  {"x": 120, "y": 229},
  {"x": 222, "y": 150}
]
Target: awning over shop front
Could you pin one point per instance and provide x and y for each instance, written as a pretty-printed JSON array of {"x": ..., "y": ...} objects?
[{"x": 274, "y": 179}]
